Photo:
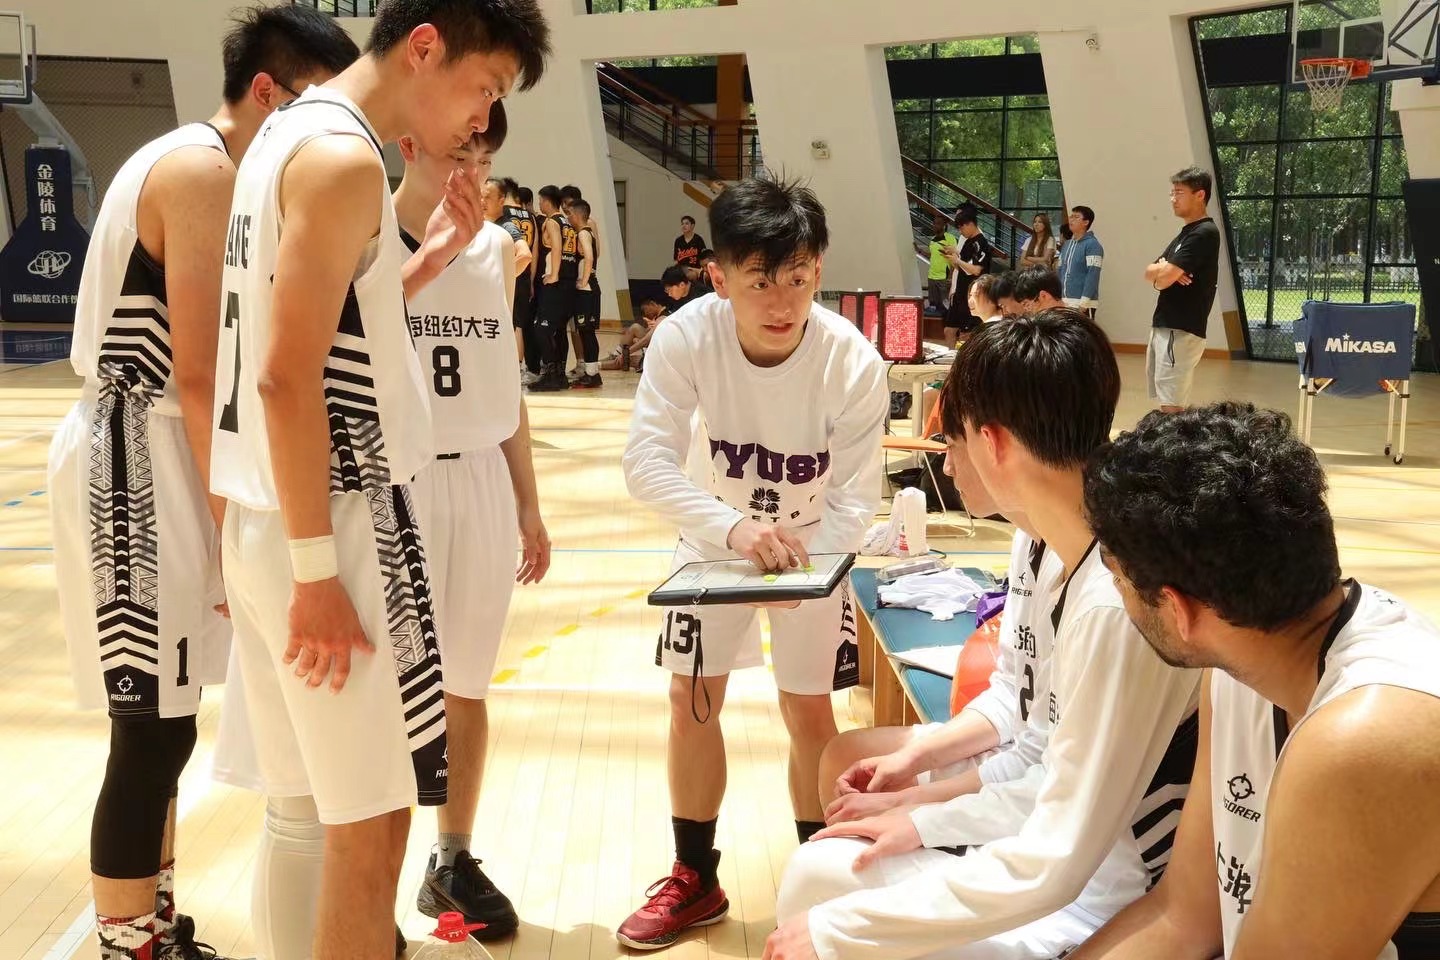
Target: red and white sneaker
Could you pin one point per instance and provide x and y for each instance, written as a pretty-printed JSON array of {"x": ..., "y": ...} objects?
[{"x": 676, "y": 903}]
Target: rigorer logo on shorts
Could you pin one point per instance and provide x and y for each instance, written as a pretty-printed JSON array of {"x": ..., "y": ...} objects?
[
  {"x": 50, "y": 264},
  {"x": 125, "y": 685},
  {"x": 1240, "y": 788}
]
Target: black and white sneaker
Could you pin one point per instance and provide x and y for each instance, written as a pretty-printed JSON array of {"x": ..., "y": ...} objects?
[
  {"x": 465, "y": 889},
  {"x": 185, "y": 946}
]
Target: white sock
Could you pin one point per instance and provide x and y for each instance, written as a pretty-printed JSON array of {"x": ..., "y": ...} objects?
[
  {"x": 591, "y": 369},
  {"x": 287, "y": 879},
  {"x": 450, "y": 846}
]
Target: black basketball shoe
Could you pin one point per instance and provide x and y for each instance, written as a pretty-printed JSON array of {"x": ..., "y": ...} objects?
[{"x": 464, "y": 888}]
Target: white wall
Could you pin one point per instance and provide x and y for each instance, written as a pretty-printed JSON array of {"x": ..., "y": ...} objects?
[
  {"x": 1419, "y": 109},
  {"x": 1125, "y": 118},
  {"x": 1119, "y": 142},
  {"x": 655, "y": 200}
]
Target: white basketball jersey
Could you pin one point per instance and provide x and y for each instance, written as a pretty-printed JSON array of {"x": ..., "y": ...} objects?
[
  {"x": 376, "y": 400},
  {"x": 1021, "y": 681},
  {"x": 1376, "y": 639},
  {"x": 122, "y": 324},
  {"x": 462, "y": 329}
]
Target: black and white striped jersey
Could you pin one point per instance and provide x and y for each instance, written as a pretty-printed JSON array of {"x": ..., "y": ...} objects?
[
  {"x": 375, "y": 393},
  {"x": 1376, "y": 640},
  {"x": 122, "y": 325}
]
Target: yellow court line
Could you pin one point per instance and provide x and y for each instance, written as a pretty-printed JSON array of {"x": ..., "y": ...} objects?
[
  {"x": 504, "y": 676},
  {"x": 534, "y": 652},
  {"x": 601, "y": 612},
  {"x": 1427, "y": 553},
  {"x": 566, "y": 630}
]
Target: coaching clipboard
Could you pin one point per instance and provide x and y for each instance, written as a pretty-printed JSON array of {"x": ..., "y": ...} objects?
[{"x": 737, "y": 581}]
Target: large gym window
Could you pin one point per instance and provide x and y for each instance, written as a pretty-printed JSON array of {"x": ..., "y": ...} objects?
[
  {"x": 1312, "y": 199},
  {"x": 994, "y": 140}
]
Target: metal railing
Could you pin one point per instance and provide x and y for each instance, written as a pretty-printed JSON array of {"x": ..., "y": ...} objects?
[
  {"x": 672, "y": 133},
  {"x": 340, "y": 8},
  {"x": 930, "y": 193}
]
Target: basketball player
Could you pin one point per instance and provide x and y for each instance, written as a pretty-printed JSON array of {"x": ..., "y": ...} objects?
[
  {"x": 558, "y": 272},
  {"x": 1096, "y": 816},
  {"x": 587, "y": 296},
  {"x": 471, "y": 499},
  {"x": 1312, "y": 830},
  {"x": 135, "y": 535},
  {"x": 322, "y": 414},
  {"x": 569, "y": 196},
  {"x": 868, "y": 771},
  {"x": 793, "y": 402},
  {"x": 516, "y": 219}
]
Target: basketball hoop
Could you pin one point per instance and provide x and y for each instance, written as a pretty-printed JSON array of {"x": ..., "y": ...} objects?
[{"x": 1327, "y": 78}]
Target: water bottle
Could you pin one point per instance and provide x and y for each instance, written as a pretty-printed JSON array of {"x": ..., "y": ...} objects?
[
  {"x": 451, "y": 940},
  {"x": 909, "y": 505}
]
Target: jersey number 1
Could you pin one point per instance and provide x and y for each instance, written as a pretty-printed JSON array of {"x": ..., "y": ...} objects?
[{"x": 446, "y": 363}]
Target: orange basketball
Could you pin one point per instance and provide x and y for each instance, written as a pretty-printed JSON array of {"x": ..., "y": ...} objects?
[{"x": 976, "y": 663}]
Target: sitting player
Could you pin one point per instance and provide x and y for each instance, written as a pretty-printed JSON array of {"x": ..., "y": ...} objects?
[
  {"x": 1052, "y": 852},
  {"x": 1312, "y": 830},
  {"x": 769, "y": 488},
  {"x": 636, "y": 337},
  {"x": 868, "y": 771}
]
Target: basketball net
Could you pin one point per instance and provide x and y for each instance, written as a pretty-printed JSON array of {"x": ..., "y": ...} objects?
[{"x": 1327, "y": 78}]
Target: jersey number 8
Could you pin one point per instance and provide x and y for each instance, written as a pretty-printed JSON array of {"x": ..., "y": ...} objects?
[{"x": 446, "y": 362}]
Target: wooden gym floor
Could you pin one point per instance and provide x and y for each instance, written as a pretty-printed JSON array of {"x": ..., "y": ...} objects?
[{"x": 574, "y": 823}]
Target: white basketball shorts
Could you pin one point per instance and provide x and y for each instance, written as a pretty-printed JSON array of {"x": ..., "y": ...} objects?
[
  {"x": 379, "y": 744},
  {"x": 813, "y": 646},
  {"x": 466, "y": 507},
  {"x": 136, "y": 560}
]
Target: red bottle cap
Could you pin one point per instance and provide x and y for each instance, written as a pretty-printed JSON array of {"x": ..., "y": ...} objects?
[{"x": 454, "y": 929}]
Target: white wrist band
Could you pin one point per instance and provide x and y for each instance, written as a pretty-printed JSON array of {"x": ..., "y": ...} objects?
[{"x": 314, "y": 559}]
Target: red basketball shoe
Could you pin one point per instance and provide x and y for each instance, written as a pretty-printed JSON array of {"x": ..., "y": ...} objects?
[{"x": 676, "y": 903}]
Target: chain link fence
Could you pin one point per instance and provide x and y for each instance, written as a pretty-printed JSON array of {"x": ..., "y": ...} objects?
[{"x": 111, "y": 108}]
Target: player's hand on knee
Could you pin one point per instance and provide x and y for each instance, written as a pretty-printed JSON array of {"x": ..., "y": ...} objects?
[
  {"x": 324, "y": 630},
  {"x": 893, "y": 771},
  {"x": 858, "y": 806},
  {"x": 791, "y": 941},
  {"x": 857, "y": 777},
  {"x": 892, "y": 833}
]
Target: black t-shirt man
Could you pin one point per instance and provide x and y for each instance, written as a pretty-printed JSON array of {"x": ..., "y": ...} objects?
[
  {"x": 975, "y": 250},
  {"x": 687, "y": 252},
  {"x": 1187, "y": 306}
]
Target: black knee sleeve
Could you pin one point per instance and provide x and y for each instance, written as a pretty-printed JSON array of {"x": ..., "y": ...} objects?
[
  {"x": 141, "y": 777},
  {"x": 590, "y": 340}
]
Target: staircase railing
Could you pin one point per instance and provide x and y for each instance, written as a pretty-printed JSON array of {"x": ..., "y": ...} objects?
[
  {"x": 672, "y": 133},
  {"x": 340, "y": 8},
  {"x": 930, "y": 193}
]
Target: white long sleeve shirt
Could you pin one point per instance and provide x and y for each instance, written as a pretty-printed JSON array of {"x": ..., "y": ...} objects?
[
  {"x": 1106, "y": 801},
  {"x": 1016, "y": 701},
  {"x": 715, "y": 439}
]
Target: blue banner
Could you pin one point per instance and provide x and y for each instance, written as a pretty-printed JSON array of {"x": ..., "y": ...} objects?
[
  {"x": 1356, "y": 345},
  {"x": 40, "y": 267}
]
